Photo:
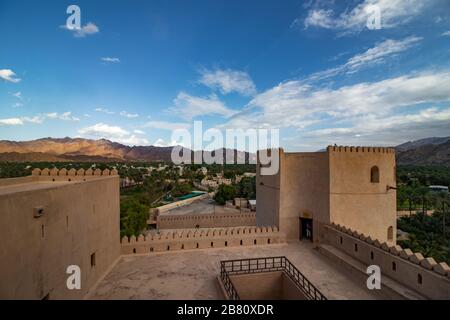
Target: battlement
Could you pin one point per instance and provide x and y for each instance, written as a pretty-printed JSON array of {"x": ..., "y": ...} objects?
[
  {"x": 411, "y": 269},
  {"x": 200, "y": 239},
  {"x": 72, "y": 172},
  {"x": 360, "y": 149},
  {"x": 206, "y": 220},
  {"x": 406, "y": 254}
]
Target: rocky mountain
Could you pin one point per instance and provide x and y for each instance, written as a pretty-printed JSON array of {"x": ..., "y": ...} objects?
[
  {"x": 429, "y": 151},
  {"x": 78, "y": 149}
]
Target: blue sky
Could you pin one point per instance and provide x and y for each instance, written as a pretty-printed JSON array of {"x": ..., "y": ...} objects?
[{"x": 313, "y": 69}]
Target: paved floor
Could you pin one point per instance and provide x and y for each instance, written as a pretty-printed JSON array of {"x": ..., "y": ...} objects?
[{"x": 193, "y": 274}]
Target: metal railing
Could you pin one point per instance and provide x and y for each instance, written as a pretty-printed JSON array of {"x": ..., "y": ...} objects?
[{"x": 267, "y": 264}]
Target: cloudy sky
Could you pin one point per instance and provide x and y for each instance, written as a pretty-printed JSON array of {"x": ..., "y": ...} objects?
[{"x": 136, "y": 70}]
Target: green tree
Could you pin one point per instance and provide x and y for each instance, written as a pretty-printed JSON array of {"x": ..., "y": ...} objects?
[
  {"x": 247, "y": 187},
  {"x": 133, "y": 218},
  {"x": 225, "y": 193}
]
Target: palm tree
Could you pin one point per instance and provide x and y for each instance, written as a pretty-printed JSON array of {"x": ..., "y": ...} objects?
[
  {"x": 442, "y": 201},
  {"x": 423, "y": 192}
]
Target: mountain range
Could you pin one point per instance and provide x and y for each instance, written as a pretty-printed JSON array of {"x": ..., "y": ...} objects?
[
  {"x": 428, "y": 151},
  {"x": 79, "y": 149}
]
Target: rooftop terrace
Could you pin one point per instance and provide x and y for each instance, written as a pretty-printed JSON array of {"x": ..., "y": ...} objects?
[{"x": 193, "y": 274}]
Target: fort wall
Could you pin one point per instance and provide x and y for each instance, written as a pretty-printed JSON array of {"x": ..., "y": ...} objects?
[
  {"x": 200, "y": 239},
  {"x": 359, "y": 200},
  {"x": 423, "y": 275},
  {"x": 268, "y": 197},
  {"x": 48, "y": 223},
  {"x": 304, "y": 189},
  {"x": 206, "y": 220}
]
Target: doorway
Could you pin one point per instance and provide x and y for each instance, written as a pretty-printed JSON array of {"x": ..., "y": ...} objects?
[{"x": 306, "y": 229}]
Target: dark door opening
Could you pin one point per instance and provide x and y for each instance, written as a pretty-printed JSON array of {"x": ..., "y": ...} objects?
[{"x": 306, "y": 229}]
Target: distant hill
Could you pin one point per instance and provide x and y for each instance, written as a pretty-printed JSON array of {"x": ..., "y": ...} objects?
[
  {"x": 86, "y": 150},
  {"x": 428, "y": 151}
]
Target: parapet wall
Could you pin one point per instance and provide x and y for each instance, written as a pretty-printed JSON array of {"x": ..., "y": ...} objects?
[
  {"x": 201, "y": 239},
  {"x": 73, "y": 173},
  {"x": 423, "y": 275},
  {"x": 360, "y": 149},
  {"x": 206, "y": 220}
]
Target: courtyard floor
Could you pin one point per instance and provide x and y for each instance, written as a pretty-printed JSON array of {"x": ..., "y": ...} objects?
[{"x": 193, "y": 274}]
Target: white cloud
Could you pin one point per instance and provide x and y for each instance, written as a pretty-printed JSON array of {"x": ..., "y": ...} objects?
[
  {"x": 299, "y": 105},
  {"x": 393, "y": 13},
  {"x": 66, "y": 116},
  {"x": 104, "y": 130},
  {"x": 446, "y": 34},
  {"x": 138, "y": 131},
  {"x": 18, "y": 105},
  {"x": 36, "y": 119},
  {"x": 9, "y": 75},
  {"x": 376, "y": 55},
  {"x": 319, "y": 18},
  {"x": 228, "y": 81},
  {"x": 110, "y": 60},
  {"x": 189, "y": 107},
  {"x": 384, "y": 130},
  {"x": 133, "y": 140},
  {"x": 113, "y": 133},
  {"x": 11, "y": 122},
  {"x": 162, "y": 143},
  {"x": 128, "y": 115},
  {"x": 86, "y": 30},
  {"x": 165, "y": 125},
  {"x": 40, "y": 118},
  {"x": 103, "y": 110},
  {"x": 18, "y": 95}
]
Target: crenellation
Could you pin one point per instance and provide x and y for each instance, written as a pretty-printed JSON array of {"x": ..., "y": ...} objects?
[
  {"x": 428, "y": 263},
  {"x": 406, "y": 253},
  {"x": 385, "y": 246},
  {"x": 442, "y": 269},
  {"x": 396, "y": 250},
  {"x": 415, "y": 269},
  {"x": 361, "y": 149},
  {"x": 416, "y": 258},
  {"x": 180, "y": 240}
]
